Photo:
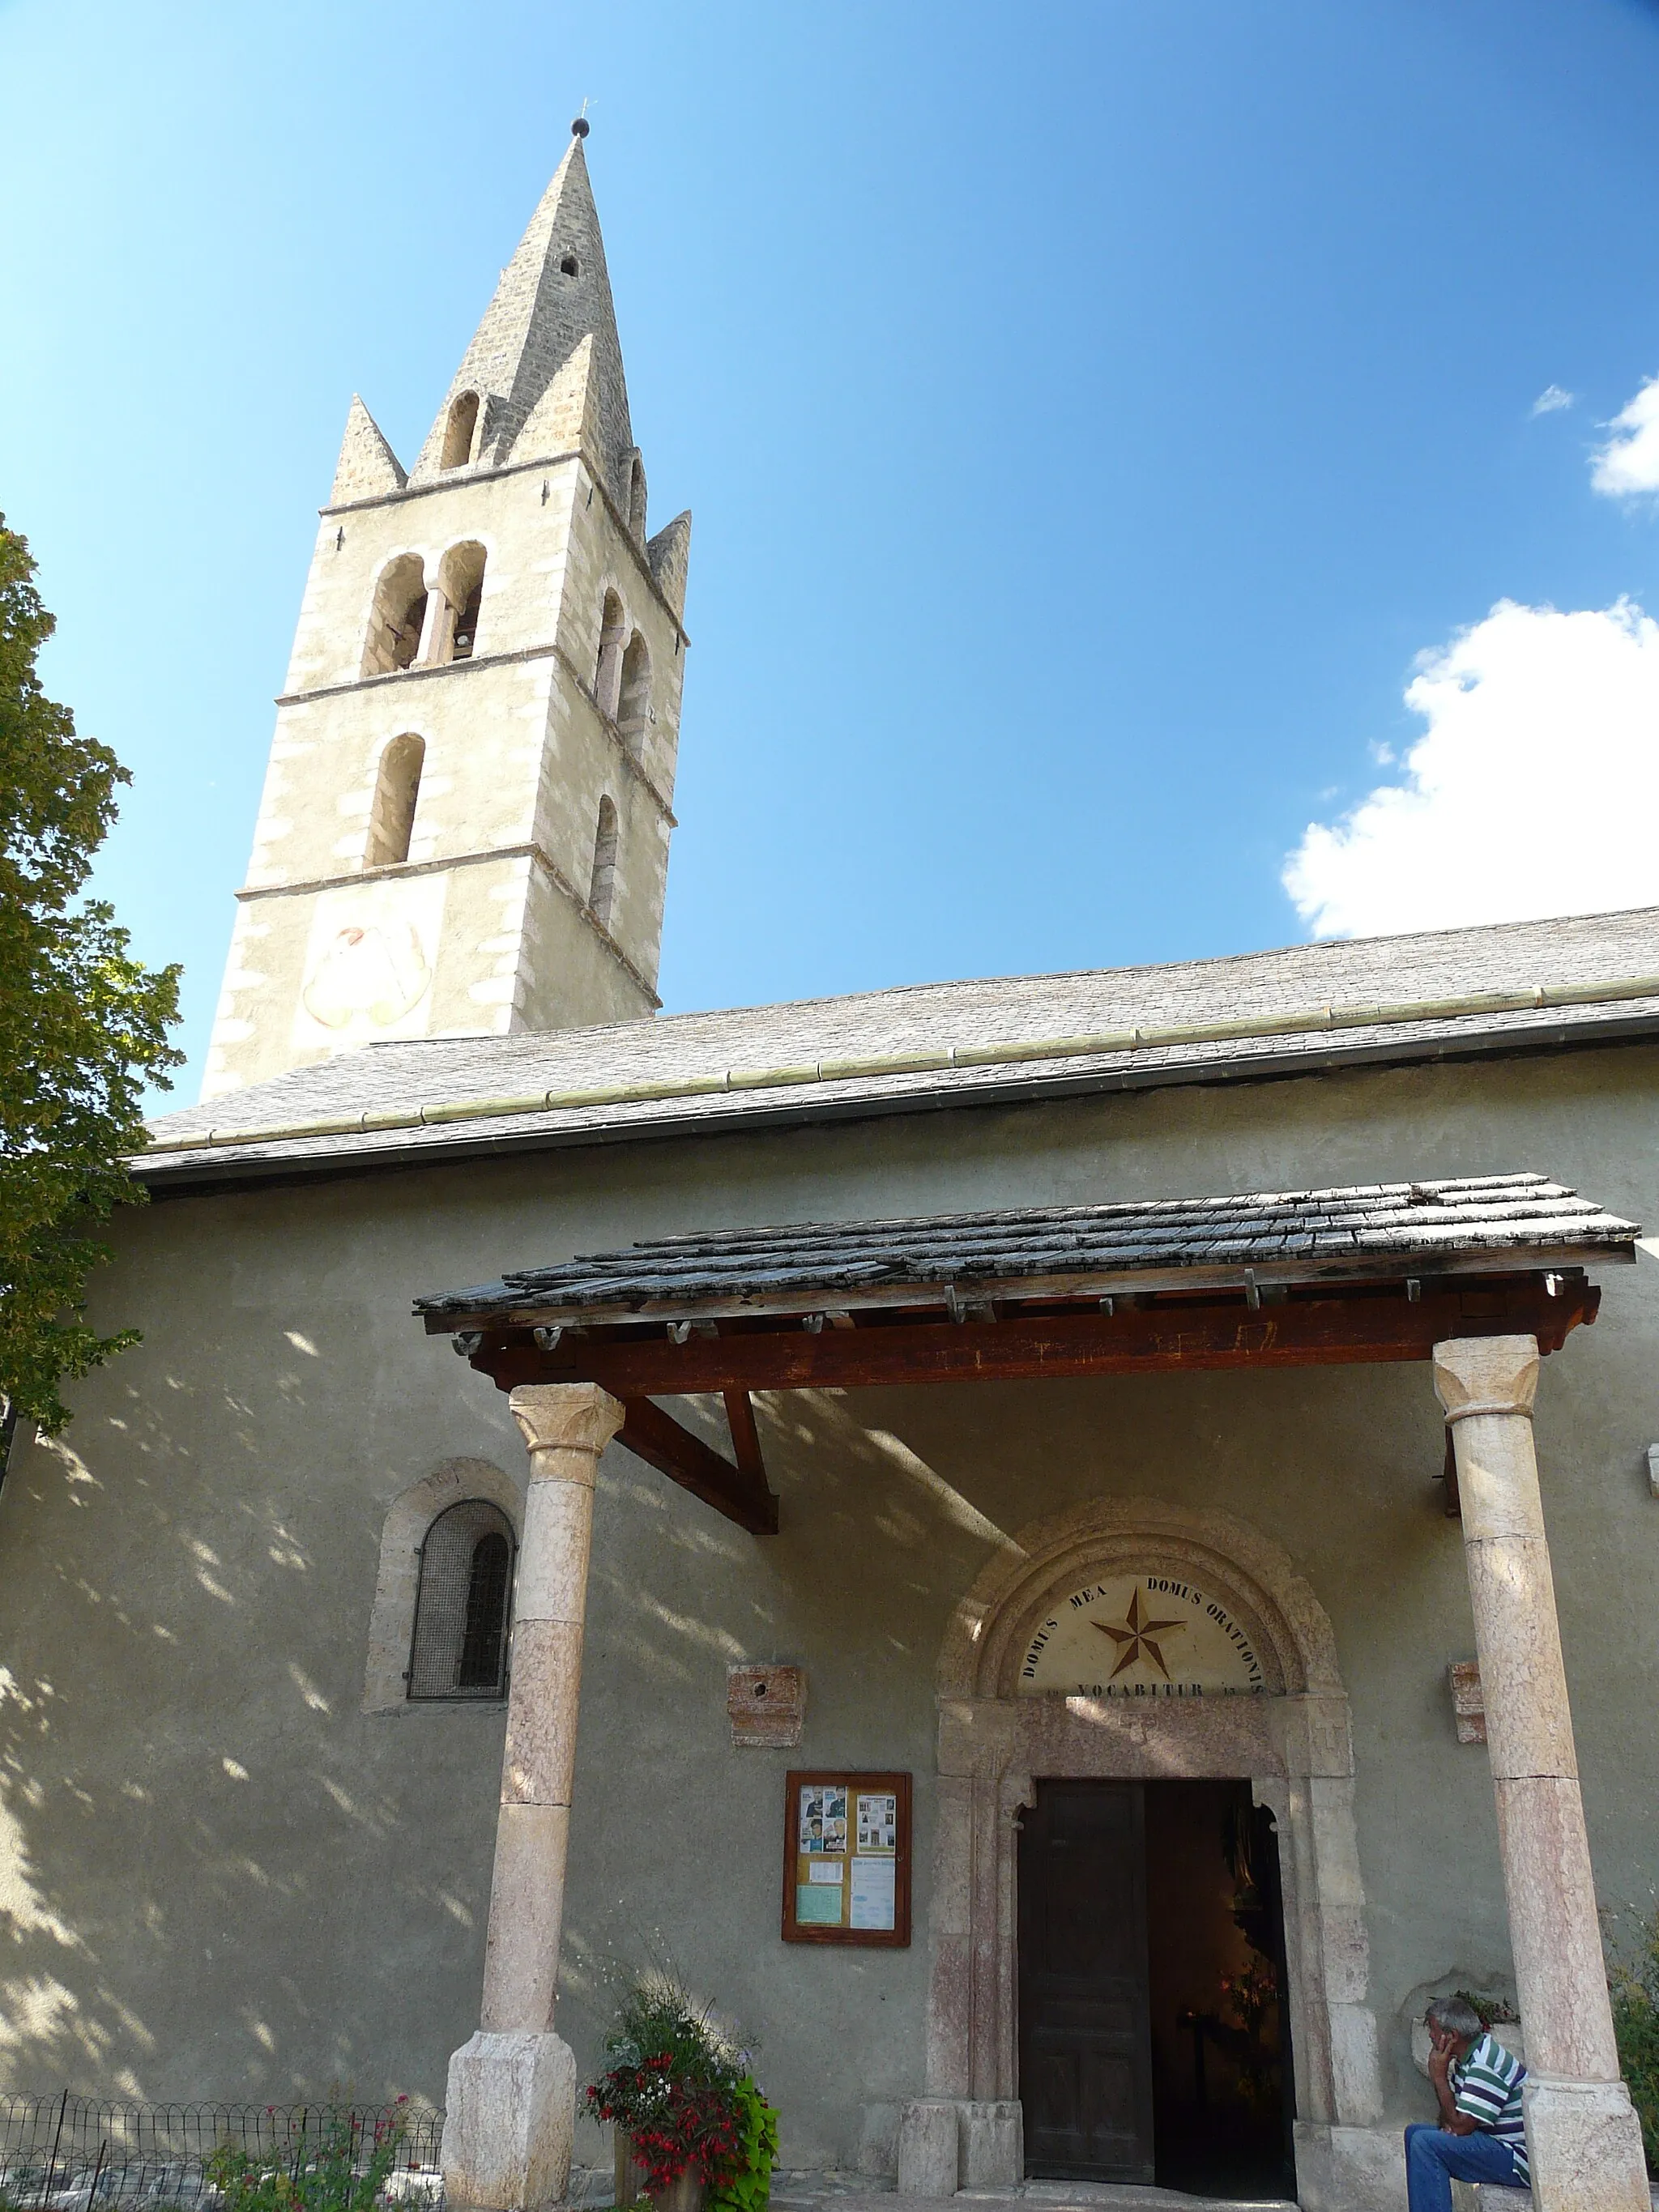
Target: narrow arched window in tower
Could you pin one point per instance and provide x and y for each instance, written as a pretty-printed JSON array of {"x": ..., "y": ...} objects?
[
  {"x": 463, "y": 574},
  {"x": 396, "y": 619},
  {"x": 636, "y": 499},
  {"x": 634, "y": 708},
  {"x": 602, "y": 890},
  {"x": 613, "y": 635},
  {"x": 462, "y": 1603},
  {"x": 391, "y": 812},
  {"x": 460, "y": 429}
]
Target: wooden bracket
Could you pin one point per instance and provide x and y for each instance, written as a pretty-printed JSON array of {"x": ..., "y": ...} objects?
[{"x": 740, "y": 1492}]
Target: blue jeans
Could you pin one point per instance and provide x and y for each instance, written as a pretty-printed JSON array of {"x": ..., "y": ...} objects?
[{"x": 1434, "y": 2160}]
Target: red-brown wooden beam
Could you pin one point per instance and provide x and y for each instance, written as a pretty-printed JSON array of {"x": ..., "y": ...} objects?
[
  {"x": 739, "y": 1493},
  {"x": 1299, "y": 1332}
]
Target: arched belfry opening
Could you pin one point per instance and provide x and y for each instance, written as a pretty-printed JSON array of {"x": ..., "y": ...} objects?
[
  {"x": 391, "y": 812},
  {"x": 461, "y": 430},
  {"x": 463, "y": 579},
  {"x": 608, "y": 663},
  {"x": 398, "y": 616},
  {"x": 603, "y": 887},
  {"x": 634, "y": 704},
  {"x": 1145, "y": 1809},
  {"x": 637, "y": 498}
]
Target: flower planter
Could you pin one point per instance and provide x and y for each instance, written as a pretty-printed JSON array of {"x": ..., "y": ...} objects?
[{"x": 684, "y": 2195}]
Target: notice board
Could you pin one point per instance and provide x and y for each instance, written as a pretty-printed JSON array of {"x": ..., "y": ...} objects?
[{"x": 847, "y": 1857}]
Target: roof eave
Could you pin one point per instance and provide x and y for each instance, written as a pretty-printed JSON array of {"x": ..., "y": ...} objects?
[{"x": 233, "y": 1167}]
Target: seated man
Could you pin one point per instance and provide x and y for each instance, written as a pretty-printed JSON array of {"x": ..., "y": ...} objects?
[{"x": 1480, "y": 2136}]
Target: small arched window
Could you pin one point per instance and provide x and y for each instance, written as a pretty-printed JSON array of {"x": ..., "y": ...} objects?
[
  {"x": 603, "y": 886},
  {"x": 636, "y": 499},
  {"x": 633, "y": 708},
  {"x": 397, "y": 618},
  {"x": 391, "y": 812},
  {"x": 613, "y": 635},
  {"x": 568, "y": 266},
  {"x": 459, "y": 1648},
  {"x": 460, "y": 429},
  {"x": 463, "y": 573}
]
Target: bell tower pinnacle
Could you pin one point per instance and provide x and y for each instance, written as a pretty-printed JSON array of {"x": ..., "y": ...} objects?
[{"x": 466, "y": 815}]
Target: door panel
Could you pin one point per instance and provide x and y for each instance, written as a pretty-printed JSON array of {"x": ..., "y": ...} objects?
[{"x": 1086, "y": 2070}]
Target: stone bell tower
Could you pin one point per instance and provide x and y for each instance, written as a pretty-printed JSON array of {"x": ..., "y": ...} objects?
[{"x": 466, "y": 820}]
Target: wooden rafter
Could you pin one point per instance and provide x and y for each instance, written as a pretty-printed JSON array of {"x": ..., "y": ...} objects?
[{"x": 740, "y": 1492}]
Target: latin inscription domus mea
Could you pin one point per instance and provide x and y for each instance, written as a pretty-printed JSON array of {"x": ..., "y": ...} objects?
[{"x": 1140, "y": 1635}]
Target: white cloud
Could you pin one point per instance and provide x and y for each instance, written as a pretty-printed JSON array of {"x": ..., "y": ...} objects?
[
  {"x": 1551, "y": 399},
  {"x": 1533, "y": 790},
  {"x": 1629, "y": 463}
]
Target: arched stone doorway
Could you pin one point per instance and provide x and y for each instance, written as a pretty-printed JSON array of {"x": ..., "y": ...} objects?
[{"x": 1289, "y": 1735}]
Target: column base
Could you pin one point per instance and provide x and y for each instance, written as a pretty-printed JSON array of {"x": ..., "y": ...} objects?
[
  {"x": 928, "y": 2162},
  {"x": 509, "y": 2118},
  {"x": 1585, "y": 2142},
  {"x": 1344, "y": 2169},
  {"x": 992, "y": 2144},
  {"x": 947, "y": 2143}
]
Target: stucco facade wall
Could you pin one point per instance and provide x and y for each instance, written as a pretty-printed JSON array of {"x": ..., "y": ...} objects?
[{"x": 226, "y": 1879}]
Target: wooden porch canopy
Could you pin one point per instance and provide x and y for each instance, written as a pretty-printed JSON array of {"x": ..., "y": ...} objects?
[{"x": 1382, "y": 1271}]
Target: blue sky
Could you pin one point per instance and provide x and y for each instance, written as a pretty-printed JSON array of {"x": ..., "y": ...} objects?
[{"x": 1092, "y": 413}]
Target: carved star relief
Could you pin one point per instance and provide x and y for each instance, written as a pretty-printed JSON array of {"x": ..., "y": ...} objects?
[{"x": 1137, "y": 1636}]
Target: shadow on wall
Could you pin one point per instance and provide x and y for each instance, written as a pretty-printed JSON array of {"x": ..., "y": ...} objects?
[
  {"x": 218, "y": 1877},
  {"x": 874, "y": 1550},
  {"x": 206, "y": 1884}
]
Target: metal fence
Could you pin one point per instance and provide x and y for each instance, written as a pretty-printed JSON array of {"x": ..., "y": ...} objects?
[{"x": 67, "y": 2154}]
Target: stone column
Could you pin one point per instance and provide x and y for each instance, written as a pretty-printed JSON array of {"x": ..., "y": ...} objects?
[
  {"x": 1582, "y": 2136},
  {"x": 512, "y": 2098},
  {"x": 439, "y": 613}
]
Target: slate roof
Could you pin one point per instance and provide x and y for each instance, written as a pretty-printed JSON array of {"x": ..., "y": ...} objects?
[
  {"x": 1379, "y": 999},
  {"x": 1469, "y": 1223}
]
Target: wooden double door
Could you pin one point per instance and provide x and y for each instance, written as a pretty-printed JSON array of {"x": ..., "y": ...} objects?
[{"x": 1085, "y": 2053}]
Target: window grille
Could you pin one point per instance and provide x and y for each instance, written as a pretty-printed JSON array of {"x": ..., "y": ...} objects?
[{"x": 462, "y": 1604}]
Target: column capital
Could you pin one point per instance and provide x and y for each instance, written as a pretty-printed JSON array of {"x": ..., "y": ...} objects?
[
  {"x": 578, "y": 1418},
  {"x": 1486, "y": 1375}
]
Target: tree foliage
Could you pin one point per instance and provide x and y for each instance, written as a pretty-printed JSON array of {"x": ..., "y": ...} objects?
[{"x": 82, "y": 1025}]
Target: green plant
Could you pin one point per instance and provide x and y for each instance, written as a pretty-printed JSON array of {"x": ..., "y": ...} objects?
[
  {"x": 750, "y": 2189},
  {"x": 1495, "y": 2012},
  {"x": 1634, "y": 1985},
  {"x": 343, "y": 2167}
]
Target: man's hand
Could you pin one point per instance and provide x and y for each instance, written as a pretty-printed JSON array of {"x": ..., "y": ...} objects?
[{"x": 1443, "y": 2049}]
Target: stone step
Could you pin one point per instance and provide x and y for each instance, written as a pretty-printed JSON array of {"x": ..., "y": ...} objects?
[{"x": 860, "y": 2196}]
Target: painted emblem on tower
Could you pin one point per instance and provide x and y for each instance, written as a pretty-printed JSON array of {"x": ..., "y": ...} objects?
[{"x": 1141, "y": 1636}]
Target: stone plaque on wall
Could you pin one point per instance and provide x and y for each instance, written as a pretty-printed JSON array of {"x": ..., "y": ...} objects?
[{"x": 767, "y": 1706}]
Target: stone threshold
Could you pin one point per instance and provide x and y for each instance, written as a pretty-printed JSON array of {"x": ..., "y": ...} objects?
[
  {"x": 853, "y": 2192},
  {"x": 590, "y": 2187}
]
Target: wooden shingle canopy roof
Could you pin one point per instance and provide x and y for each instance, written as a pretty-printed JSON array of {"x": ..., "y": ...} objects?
[{"x": 1380, "y": 1272}]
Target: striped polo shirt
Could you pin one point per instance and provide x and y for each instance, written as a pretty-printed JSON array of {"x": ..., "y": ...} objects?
[{"x": 1486, "y": 2086}]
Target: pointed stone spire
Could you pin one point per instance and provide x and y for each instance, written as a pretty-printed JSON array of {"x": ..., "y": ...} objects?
[
  {"x": 368, "y": 468},
  {"x": 552, "y": 304}
]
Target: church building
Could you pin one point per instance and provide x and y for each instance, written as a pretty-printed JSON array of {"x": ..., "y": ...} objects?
[{"x": 1068, "y": 1550}]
